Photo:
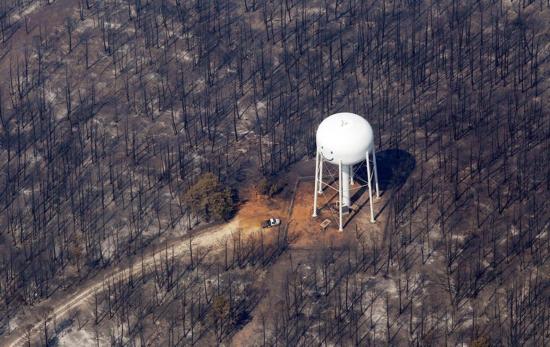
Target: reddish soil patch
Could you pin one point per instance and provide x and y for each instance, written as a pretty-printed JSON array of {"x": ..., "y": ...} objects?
[
  {"x": 308, "y": 229},
  {"x": 256, "y": 208}
]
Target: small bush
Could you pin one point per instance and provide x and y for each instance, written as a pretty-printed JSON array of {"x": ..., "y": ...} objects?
[{"x": 209, "y": 199}]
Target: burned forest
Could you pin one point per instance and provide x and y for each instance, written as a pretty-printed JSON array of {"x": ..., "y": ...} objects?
[{"x": 143, "y": 142}]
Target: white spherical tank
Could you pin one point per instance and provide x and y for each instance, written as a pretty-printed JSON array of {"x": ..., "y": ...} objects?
[{"x": 344, "y": 137}]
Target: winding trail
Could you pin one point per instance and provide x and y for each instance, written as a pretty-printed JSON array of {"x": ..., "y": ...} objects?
[{"x": 210, "y": 237}]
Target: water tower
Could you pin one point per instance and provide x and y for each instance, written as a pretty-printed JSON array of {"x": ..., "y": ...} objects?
[{"x": 345, "y": 139}]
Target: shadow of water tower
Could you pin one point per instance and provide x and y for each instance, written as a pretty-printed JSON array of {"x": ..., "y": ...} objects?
[{"x": 394, "y": 168}]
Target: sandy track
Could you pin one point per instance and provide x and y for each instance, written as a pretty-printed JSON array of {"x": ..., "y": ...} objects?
[{"x": 210, "y": 237}]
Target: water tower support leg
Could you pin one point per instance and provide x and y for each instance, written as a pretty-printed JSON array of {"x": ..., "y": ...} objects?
[
  {"x": 316, "y": 184},
  {"x": 320, "y": 173},
  {"x": 375, "y": 172},
  {"x": 345, "y": 187},
  {"x": 340, "y": 194},
  {"x": 350, "y": 174},
  {"x": 370, "y": 189}
]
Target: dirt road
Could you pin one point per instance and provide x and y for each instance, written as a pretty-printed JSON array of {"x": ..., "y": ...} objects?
[
  {"x": 254, "y": 209},
  {"x": 210, "y": 237}
]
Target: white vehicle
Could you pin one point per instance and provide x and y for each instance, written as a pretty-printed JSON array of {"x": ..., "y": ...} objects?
[{"x": 271, "y": 222}]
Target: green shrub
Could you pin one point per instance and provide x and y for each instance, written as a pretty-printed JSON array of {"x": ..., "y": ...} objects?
[{"x": 209, "y": 199}]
